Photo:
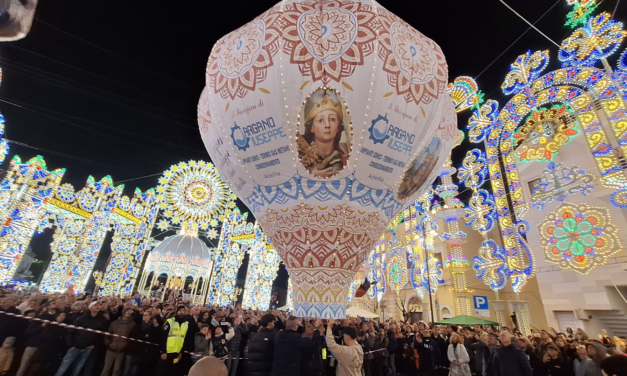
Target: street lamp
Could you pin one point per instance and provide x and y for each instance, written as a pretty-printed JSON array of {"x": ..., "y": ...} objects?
[
  {"x": 236, "y": 292},
  {"x": 98, "y": 279}
]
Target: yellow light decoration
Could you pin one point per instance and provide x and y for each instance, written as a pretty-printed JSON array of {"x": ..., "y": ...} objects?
[
  {"x": 579, "y": 237},
  {"x": 133, "y": 220},
  {"x": 263, "y": 264},
  {"x": 464, "y": 93},
  {"x": 82, "y": 220},
  {"x": 194, "y": 192},
  {"x": 543, "y": 133},
  {"x": 600, "y": 37}
]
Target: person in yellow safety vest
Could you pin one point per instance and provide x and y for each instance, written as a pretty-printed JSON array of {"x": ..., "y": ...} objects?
[{"x": 172, "y": 338}]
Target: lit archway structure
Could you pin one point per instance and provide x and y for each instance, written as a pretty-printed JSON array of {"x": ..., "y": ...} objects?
[
  {"x": 593, "y": 99},
  {"x": 545, "y": 112}
]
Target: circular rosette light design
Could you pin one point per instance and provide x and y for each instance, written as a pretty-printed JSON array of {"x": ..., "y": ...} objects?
[
  {"x": 193, "y": 192},
  {"x": 326, "y": 118},
  {"x": 578, "y": 237}
]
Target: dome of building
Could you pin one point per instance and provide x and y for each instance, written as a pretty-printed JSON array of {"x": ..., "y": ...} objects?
[
  {"x": 179, "y": 257},
  {"x": 187, "y": 245}
]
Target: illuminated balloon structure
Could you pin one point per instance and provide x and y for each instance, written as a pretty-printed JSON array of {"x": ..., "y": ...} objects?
[{"x": 326, "y": 119}]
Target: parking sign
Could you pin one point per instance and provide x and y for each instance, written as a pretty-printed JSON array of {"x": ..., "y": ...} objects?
[{"x": 482, "y": 308}]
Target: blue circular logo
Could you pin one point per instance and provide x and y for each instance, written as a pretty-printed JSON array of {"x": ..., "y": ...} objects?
[
  {"x": 239, "y": 138},
  {"x": 379, "y": 129}
]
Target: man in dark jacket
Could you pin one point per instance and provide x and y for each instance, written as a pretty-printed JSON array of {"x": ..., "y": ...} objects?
[
  {"x": 392, "y": 350},
  {"x": 288, "y": 349},
  {"x": 443, "y": 347},
  {"x": 261, "y": 348},
  {"x": 236, "y": 345},
  {"x": 480, "y": 353},
  {"x": 82, "y": 342},
  {"x": 428, "y": 351},
  {"x": 509, "y": 360},
  {"x": 488, "y": 359},
  {"x": 311, "y": 362}
]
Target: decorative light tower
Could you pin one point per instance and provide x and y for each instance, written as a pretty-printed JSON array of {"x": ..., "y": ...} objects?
[
  {"x": 451, "y": 212},
  {"x": 431, "y": 267}
]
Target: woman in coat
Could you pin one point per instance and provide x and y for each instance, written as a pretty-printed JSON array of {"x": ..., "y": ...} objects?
[{"x": 458, "y": 356}]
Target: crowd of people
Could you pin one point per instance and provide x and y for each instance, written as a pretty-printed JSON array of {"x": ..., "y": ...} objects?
[{"x": 165, "y": 338}]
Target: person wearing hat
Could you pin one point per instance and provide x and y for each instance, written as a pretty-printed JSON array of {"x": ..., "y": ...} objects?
[
  {"x": 261, "y": 348},
  {"x": 6, "y": 355},
  {"x": 81, "y": 342},
  {"x": 116, "y": 346},
  {"x": 319, "y": 147},
  {"x": 173, "y": 336}
]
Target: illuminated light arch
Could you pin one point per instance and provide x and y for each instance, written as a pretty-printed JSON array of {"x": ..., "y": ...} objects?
[{"x": 578, "y": 88}]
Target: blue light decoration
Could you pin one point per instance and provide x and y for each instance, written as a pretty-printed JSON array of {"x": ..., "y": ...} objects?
[
  {"x": 480, "y": 212},
  {"x": 263, "y": 264},
  {"x": 490, "y": 265},
  {"x": 597, "y": 39},
  {"x": 133, "y": 220},
  {"x": 237, "y": 237},
  {"x": 415, "y": 251},
  {"x": 82, "y": 220},
  {"x": 526, "y": 69},
  {"x": 474, "y": 170},
  {"x": 481, "y": 120},
  {"x": 23, "y": 195},
  {"x": 519, "y": 274},
  {"x": 432, "y": 270},
  {"x": 557, "y": 183},
  {"x": 430, "y": 267},
  {"x": 376, "y": 274}
]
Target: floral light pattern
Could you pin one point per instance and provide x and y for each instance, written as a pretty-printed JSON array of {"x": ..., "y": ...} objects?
[
  {"x": 474, "y": 169},
  {"x": 578, "y": 237},
  {"x": 527, "y": 68},
  {"x": 479, "y": 124},
  {"x": 193, "y": 193},
  {"x": 480, "y": 212}
]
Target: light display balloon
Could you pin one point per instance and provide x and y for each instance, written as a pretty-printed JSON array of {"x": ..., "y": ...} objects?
[{"x": 326, "y": 118}]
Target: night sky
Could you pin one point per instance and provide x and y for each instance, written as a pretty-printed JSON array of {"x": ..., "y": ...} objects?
[{"x": 111, "y": 87}]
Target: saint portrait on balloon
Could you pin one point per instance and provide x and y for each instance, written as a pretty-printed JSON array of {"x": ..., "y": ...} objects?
[{"x": 324, "y": 134}]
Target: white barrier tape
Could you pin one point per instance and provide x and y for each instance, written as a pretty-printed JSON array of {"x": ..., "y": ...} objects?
[{"x": 117, "y": 335}]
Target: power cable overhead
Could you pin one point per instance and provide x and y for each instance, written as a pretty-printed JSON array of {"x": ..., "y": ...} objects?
[{"x": 160, "y": 75}]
